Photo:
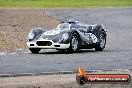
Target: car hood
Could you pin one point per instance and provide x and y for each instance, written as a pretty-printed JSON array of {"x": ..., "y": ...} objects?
[{"x": 54, "y": 34}]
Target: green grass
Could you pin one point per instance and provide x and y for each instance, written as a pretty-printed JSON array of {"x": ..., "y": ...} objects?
[{"x": 64, "y": 3}]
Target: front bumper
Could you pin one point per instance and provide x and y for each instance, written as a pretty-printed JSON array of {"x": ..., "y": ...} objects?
[{"x": 50, "y": 45}]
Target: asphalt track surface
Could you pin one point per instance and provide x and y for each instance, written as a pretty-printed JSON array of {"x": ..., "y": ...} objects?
[{"x": 116, "y": 55}]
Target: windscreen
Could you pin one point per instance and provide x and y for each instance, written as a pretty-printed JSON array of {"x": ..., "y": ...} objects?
[{"x": 63, "y": 26}]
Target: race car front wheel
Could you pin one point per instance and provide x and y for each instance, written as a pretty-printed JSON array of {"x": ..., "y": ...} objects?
[
  {"x": 34, "y": 50},
  {"x": 74, "y": 44},
  {"x": 102, "y": 43}
]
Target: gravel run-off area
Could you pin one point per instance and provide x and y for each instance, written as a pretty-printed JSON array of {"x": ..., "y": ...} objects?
[{"x": 15, "y": 24}]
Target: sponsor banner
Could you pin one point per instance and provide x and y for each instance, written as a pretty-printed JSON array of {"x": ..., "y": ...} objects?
[{"x": 83, "y": 77}]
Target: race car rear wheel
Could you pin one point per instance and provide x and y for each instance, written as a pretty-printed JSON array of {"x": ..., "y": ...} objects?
[
  {"x": 102, "y": 43},
  {"x": 34, "y": 50},
  {"x": 74, "y": 43}
]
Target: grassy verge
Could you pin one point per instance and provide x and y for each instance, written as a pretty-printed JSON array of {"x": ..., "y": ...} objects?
[{"x": 64, "y": 3}]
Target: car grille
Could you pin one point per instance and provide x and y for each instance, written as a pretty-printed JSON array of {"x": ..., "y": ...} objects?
[{"x": 44, "y": 43}]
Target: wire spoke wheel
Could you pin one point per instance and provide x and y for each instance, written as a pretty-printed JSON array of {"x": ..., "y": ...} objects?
[
  {"x": 74, "y": 43},
  {"x": 102, "y": 41}
]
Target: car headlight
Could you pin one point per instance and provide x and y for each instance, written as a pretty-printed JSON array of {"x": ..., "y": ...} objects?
[
  {"x": 64, "y": 37},
  {"x": 31, "y": 36}
]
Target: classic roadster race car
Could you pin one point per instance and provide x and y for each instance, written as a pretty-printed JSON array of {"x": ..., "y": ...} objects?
[{"x": 68, "y": 36}]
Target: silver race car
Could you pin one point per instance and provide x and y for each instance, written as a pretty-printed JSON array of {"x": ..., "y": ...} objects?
[{"x": 68, "y": 36}]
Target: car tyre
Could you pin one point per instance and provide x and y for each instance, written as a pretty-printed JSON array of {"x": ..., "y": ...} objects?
[
  {"x": 102, "y": 42},
  {"x": 34, "y": 50},
  {"x": 74, "y": 43}
]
